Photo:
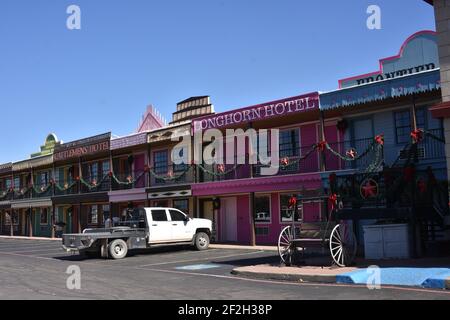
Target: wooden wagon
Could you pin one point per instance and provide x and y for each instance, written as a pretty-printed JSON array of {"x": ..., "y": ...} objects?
[{"x": 335, "y": 235}]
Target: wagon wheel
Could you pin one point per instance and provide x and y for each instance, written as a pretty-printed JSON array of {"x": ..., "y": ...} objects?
[
  {"x": 343, "y": 245},
  {"x": 285, "y": 249}
]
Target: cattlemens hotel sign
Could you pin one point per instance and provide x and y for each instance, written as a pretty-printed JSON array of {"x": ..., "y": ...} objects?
[
  {"x": 85, "y": 147},
  {"x": 265, "y": 111}
]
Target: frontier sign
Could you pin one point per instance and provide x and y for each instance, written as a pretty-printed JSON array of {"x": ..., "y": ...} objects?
[{"x": 260, "y": 112}]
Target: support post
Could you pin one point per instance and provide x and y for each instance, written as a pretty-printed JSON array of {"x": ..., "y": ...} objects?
[
  {"x": 252, "y": 220},
  {"x": 322, "y": 160}
]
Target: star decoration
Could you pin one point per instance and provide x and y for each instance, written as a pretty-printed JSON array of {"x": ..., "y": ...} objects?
[
  {"x": 351, "y": 153},
  {"x": 369, "y": 189}
]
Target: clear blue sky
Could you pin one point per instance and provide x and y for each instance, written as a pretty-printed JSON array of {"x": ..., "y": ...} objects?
[{"x": 129, "y": 54}]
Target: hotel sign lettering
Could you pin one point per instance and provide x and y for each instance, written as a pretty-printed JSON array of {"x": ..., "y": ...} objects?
[
  {"x": 269, "y": 110},
  {"x": 80, "y": 151}
]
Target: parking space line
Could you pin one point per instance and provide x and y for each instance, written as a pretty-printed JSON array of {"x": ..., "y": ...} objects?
[
  {"x": 201, "y": 259},
  {"x": 38, "y": 250}
]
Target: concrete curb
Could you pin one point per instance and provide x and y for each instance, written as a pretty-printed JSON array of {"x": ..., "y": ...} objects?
[
  {"x": 29, "y": 238},
  {"x": 292, "y": 277},
  {"x": 241, "y": 247}
]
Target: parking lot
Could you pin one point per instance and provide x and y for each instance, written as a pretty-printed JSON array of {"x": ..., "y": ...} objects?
[{"x": 36, "y": 269}]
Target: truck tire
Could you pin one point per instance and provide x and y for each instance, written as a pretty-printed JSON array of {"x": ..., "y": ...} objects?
[
  {"x": 201, "y": 241},
  {"x": 118, "y": 249}
]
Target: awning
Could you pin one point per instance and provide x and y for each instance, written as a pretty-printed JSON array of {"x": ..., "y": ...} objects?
[
  {"x": 127, "y": 195},
  {"x": 5, "y": 205},
  {"x": 425, "y": 81},
  {"x": 25, "y": 204},
  {"x": 81, "y": 198},
  {"x": 267, "y": 184}
]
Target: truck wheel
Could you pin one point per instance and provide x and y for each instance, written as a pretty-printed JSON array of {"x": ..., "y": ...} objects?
[
  {"x": 118, "y": 249},
  {"x": 201, "y": 241}
]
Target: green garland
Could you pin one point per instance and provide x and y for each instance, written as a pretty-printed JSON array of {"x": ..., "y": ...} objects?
[
  {"x": 132, "y": 181},
  {"x": 218, "y": 174},
  {"x": 169, "y": 178},
  {"x": 69, "y": 186}
]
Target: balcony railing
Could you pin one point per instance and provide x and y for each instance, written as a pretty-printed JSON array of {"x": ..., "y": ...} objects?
[
  {"x": 126, "y": 181},
  {"x": 172, "y": 175}
]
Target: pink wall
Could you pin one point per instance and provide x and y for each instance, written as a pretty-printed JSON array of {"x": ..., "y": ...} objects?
[
  {"x": 308, "y": 137},
  {"x": 243, "y": 218}
]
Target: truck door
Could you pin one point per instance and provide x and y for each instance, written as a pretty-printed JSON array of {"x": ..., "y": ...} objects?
[
  {"x": 160, "y": 226},
  {"x": 181, "y": 228}
]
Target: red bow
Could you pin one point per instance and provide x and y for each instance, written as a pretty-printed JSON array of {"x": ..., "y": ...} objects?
[
  {"x": 110, "y": 173},
  {"x": 379, "y": 139},
  {"x": 285, "y": 161},
  {"x": 422, "y": 186},
  {"x": 333, "y": 200},
  {"x": 292, "y": 202},
  {"x": 417, "y": 135},
  {"x": 146, "y": 168},
  {"x": 321, "y": 146},
  {"x": 221, "y": 168}
]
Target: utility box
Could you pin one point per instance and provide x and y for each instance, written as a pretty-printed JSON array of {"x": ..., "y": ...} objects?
[{"x": 386, "y": 241}]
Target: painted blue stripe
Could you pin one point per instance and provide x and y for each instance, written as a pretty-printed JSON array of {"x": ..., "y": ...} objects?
[
  {"x": 424, "y": 277},
  {"x": 199, "y": 266}
]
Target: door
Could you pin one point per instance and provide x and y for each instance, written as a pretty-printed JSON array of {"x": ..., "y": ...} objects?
[
  {"x": 160, "y": 227},
  {"x": 181, "y": 229},
  {"x": 228, "y": 218}
]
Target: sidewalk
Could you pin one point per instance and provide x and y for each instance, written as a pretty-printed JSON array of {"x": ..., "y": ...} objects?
[
  {"x": 428, "y": 273},
  {"x": 29, "y": 238}
]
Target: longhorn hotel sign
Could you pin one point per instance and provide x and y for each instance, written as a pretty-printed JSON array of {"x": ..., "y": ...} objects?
[
  {"x": 83, "y": 147},
  {"x": 284, "y": 107}
]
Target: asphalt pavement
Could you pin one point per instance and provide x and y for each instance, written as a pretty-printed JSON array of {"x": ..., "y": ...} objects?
[{"x": 38, "y": 269}]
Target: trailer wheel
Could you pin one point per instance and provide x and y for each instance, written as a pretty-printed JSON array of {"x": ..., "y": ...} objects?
[
  {"x": 201, "y": 241},
  {"x": 118, "y": 249}
]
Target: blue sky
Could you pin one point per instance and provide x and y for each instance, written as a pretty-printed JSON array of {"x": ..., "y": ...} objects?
[{"x": 132, "y": 53}]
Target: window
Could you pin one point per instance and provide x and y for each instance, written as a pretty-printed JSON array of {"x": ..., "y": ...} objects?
[
  {"x": 176, "y": 215},
  {"x": 44, "y": 216},
  {"x": 289, "y": 147},
  {"x": 160, "y": 162},
  {"x": 289, "y": 143},
  {"x": 161, "y": 203},
  {"x": 286, "y": 211},
  {"x": 15, "y": 218},
  {"x": 182, "y": 205},
  {"x": 93, "y": 214},
  {"x": 106, "y": 212},
  {"x": 181, "y": 155},
  {"x": 16, "y": 183},
  {"x": 403, "y": 124},
  {"x": 93, "y": 171},
  {"x": 105, "y": 168},
  {"x": 262, "y": 209},
  {"x": 159, "y": 215}
]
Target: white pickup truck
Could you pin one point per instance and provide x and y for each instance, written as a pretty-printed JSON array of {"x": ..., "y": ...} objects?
[{"x": 141, "y": 228}]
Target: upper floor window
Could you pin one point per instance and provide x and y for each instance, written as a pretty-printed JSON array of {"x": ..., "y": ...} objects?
[
  {"x": 289, "y": 143},
  {"x": 105, "y": 168},
  {"x": 403, "y": 124},
  {"x": 93, "y": 171},
  {"x": 160, "y": 161}
]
